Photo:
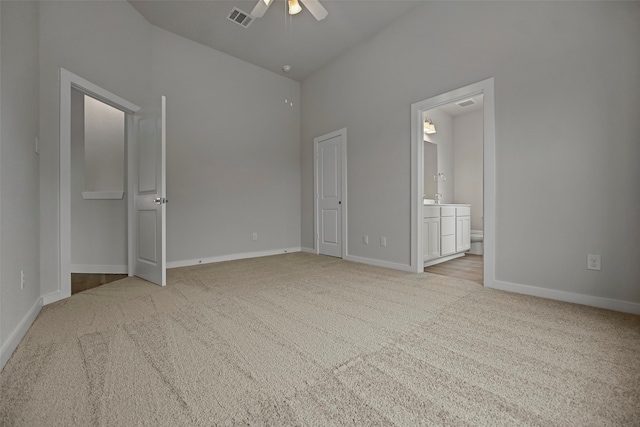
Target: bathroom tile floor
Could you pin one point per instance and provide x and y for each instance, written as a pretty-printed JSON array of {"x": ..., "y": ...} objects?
[{"x": 469, "y": 267}]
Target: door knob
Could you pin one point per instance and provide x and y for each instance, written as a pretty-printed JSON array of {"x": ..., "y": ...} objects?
[{"x": 160, "y": 200}]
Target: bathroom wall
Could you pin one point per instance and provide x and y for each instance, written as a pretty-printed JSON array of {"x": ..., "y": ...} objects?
[
  {"x": 430, "y": 169},
  {"x": 467, "y": 155},
  {"x": 98, "y": 227}
]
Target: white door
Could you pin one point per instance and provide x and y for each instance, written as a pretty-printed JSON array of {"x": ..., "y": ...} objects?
[
  {"x": 329, "y": 154},
  {"x": 150, "y": 194}
]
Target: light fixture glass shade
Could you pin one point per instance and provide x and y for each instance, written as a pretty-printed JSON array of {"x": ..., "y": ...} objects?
[
  {"x": 294, "y": 7},
  {"x": 429, "y": 127}
]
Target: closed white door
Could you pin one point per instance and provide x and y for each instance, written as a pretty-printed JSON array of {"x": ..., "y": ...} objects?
[
  {"x": 150, "y": 194},
  {"x": 329, "y": 195}
]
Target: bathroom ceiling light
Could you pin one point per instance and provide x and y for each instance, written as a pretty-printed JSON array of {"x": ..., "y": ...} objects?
[{"x": 429, "y": 127}]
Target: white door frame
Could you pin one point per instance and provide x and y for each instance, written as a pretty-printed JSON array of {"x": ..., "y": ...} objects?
[
  {"x": 316, "y": 223},
  {"x": 485, "y": 87},
  {"x": 69, "y": 80}
]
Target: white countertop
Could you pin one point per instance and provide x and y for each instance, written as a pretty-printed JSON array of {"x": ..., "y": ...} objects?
[{"x": 447, "y": 204}]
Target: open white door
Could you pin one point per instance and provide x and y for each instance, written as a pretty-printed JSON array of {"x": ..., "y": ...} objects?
[{"x": 150, "y": 194}]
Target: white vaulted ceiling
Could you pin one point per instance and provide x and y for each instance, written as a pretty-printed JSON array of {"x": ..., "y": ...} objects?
[{"x": 276, "y": 39}]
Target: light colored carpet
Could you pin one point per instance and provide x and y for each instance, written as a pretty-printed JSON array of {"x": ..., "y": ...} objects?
[{"x": 300, "y": 339}]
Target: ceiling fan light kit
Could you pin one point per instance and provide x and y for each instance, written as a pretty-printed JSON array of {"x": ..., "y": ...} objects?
[
  {"x": 313, "y": 6},
  {"x": 294, "y": 7}
]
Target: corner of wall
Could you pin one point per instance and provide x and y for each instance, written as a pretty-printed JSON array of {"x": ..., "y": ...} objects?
[{"x": 11, "y": 343}]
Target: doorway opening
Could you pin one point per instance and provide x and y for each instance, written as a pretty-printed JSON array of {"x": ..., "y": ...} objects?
[
  {"x": 426, "y": 228},
  {"x": 98, "y": 179},
  {"x": 453, "y": 151},
  {"x": 69, "y": 83}
]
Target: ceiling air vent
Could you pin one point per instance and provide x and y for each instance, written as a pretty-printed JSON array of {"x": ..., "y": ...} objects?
[
  {"x": 466, "y": 103},
  {"x": 240, "y": 17}
]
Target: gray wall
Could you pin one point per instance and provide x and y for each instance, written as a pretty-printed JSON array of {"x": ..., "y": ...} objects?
[
  {"x": 107, "y": 43},
  {"x": 567, "y": 91},
  {"x": 467, "y": 159},
  {"x": 233, "y": 152},
  {"x": 98, "y": 227},
  {"x": 19, "y": 209},
  {"x": 233, "y": 162},
  {"x": 104, "y": 146}
]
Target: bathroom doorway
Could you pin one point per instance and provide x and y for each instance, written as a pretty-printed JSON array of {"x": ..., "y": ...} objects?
[
  {"x": 433, "y": 109},
  {"x": 453, "y": 171}
]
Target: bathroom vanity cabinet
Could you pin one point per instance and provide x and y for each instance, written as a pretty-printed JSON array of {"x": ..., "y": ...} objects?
[{"x": 446, "y": 232}]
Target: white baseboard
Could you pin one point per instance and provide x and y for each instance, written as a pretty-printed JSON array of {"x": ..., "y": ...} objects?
[
  {"x": 18, "y": 333},
  {"x": 308, "y": 250},
  {"x": 379, "y": 263},
  {"x": 52, "y": 297},
  {"x": 230, "y": 257},
  {"x": 99, "y": 269},
  {"x": 593, "y": 301}
]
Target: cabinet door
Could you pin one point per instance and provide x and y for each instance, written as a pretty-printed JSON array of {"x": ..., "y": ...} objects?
[
  {"x": 431, "y": 238},
  {"x": 448, "y": 245},
  {"x": 463, "y": 233},
  {"x": 448, "y": 226}
]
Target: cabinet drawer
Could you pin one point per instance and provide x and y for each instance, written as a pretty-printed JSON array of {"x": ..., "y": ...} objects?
[
  {"x": 463, "y": 211},
  {"x": 431, "y": 211},
  {"x": 447, "y": 226},
  {"x": 447, "y": 245},
  {"x": 448, "y": 211}
]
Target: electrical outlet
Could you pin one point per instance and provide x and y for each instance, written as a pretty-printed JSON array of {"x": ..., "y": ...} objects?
[
  {"x": 21, "y": 279},
  {"x": 255, "y": 236},
  {"x": 593, "y": 262},
  {"x": 383, "y": 241},
  {"x": 365, "y": 239}
]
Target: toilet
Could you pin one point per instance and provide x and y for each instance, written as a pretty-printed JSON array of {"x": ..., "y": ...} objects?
[{"x": 477, "y": 237}]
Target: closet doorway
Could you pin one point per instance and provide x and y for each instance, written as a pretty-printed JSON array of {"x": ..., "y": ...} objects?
[
  {"x": 73, "y": 86},
  {"x": 99, "y": 243}
]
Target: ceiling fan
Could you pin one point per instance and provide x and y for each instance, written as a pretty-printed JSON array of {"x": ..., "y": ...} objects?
[{"x": 317, "y": 10}]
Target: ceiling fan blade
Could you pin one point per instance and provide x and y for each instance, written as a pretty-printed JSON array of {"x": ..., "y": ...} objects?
[
  {"x": 261, "y": 8},
  {"x": 317, "y": 10}
]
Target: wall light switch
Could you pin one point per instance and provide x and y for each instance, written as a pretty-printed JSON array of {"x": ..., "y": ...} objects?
[
  {"x": 365, "y": 239},
  {"x": 383, "y": 241}
]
